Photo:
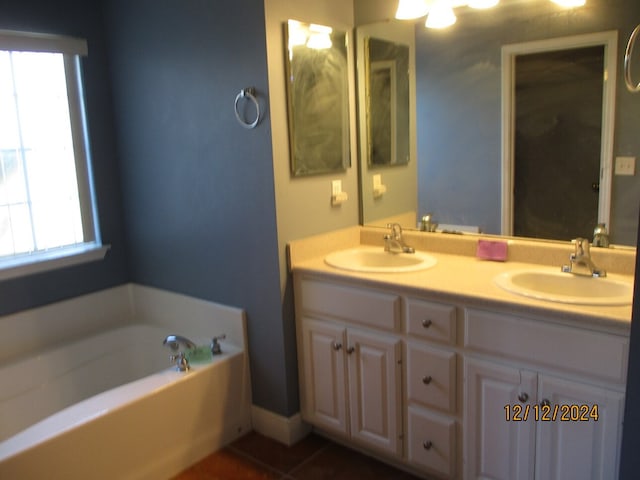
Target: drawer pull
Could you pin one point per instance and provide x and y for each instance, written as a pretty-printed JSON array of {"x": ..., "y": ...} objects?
[
  {"x": 427, "y": 444},
  {"x": 427, "y": 323},
  {"x": 350, "y": 350},
  {"x": 545, "y": 402},
  {"x": 523, "y": 397},
  {"x": 427, "y": 379},
  {"x": 336, "y": 346}
]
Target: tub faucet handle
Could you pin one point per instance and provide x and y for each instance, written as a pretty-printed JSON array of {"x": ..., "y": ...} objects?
[
  {"x": 215, "y": 345},
  {"x": 181, "y": 361}
]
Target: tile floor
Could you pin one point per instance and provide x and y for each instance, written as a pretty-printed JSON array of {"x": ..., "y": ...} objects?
[{"x": 314, "y": 458}]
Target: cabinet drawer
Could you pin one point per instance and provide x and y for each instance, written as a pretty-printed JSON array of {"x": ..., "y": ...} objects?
[
  {"x": 367, "y": 307},
  {"x": 432, "y": 321},
  {"x": 431, "y": 377},
  {"x": 594, "y": 354},
  {"x": 431, "y": 441}
]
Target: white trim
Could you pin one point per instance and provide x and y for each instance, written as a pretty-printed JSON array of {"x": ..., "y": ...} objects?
[
  {"x": 43, "y": 261},
  {"x": 42, "y": 42},
  {"x": 285, "y": 430},
  {"x": 609, "y": 40}
]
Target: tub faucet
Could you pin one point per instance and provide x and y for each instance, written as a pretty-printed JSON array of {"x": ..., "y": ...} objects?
[
  {"x": 394, "y": 242},
  {"x": 581, "y": 259},
  {"x": 174, "y": 342}
]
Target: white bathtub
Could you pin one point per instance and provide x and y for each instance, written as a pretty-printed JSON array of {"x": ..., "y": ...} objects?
[{"x": 110, "y": 406}]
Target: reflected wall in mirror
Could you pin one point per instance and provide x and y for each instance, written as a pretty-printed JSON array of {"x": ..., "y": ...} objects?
[
  {"x": 317, "y": 98},
  {"x": 387, "y": 93},
  {"x": 459, "y": 111}
]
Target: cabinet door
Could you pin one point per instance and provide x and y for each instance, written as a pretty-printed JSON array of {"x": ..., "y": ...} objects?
[
  {"x": 576, "y": 446},
  {"x": 374, "y": 390},
  {"x": 495, "y": 447},
  {"x": 324, "y": 401}
]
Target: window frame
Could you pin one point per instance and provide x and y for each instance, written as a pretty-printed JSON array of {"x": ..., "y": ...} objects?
[{"x": 91, "y": 249}]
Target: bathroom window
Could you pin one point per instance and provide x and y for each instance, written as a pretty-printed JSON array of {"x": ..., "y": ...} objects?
[{"x": 47, "y": 211}]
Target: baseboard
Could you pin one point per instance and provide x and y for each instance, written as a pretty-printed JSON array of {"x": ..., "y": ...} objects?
[{"x": 285, "y": 430}]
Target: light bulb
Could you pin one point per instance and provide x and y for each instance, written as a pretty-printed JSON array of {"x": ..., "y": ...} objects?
[
  {"x": 570, "y": 3},
  {"x": 410, "y": 9},
  {"x": 440, "y": 15},
  {"x": 319, "y": 41},
  {"x": 483, "y": 3}
]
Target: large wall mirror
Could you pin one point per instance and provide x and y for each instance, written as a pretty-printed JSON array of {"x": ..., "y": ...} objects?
[
  {"x": 457, "y": 131},
  {"x": 317, "y": 98}
]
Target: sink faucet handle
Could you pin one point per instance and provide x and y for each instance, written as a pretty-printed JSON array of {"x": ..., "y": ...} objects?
[
  {"x": 181, "y": 361},
  {"x": 582, "y": 247},
  {"x": 396, "y": 230}
]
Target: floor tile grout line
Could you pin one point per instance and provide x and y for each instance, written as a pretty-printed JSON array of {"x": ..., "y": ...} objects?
[
  {"x": 256, "y": 461},
  {"x": 308, "y": 459}
]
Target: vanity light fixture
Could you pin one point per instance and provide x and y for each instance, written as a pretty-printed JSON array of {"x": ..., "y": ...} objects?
[
  {"x": 319, "y": 37},
  {"x": 482, "y": 4},
  {"x": 297, "y": 34},
  {"x": 570, "y": 3},
  {"x": 440, "y": 12},
  {"x": 313, "y": 36},
  {"x": 440, "y": 15},
  {"x": 411, "y": 9}
]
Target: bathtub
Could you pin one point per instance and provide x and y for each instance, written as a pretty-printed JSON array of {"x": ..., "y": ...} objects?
[{"x": 110, "y": 406}]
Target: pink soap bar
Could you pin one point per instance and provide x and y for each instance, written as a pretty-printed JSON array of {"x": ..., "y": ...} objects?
[{"x": 492, "y": 250}]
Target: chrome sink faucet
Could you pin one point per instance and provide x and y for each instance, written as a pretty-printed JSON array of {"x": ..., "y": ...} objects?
[
  {"x": 581, "y": 262},
  {"x": 394, "y": 242},
  {"x": 175, "y": 342}
]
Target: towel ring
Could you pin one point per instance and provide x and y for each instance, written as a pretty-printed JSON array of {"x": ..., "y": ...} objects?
[
  {"x": 631, "y": 86},
  {"x": 249, "y": 93}
]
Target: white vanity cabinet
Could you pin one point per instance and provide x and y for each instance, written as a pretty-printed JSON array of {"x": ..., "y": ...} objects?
[
  {"x": 441, "y": 386},
  {"x": 351, "y": 375},
  {"x": 558, "y": 416}
]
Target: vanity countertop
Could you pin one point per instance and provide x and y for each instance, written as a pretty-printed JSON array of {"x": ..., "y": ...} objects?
[{"x": 461, "y": 279}]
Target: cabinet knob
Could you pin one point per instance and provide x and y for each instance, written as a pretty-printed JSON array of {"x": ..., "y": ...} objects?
[
  {"x": 336, "y": 346},
  {"x": 350, "y": 350},
  {"x": 523, "y": 397},
  {"x": 545, "y": 402},
  {"x": 427, "y": 379},
  {"x": 426, "y": 323},
  {"x": 427, "y": 444}
]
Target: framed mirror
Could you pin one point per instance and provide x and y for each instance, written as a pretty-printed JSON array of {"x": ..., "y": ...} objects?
[
  {"x": 387, "y": 94},
  {"x": 317, "y": 98}
]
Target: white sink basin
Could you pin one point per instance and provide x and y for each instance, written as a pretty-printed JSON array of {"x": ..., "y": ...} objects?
[
  {"x": 376, "y": 260},
  {"x": 556, "y": 286}
]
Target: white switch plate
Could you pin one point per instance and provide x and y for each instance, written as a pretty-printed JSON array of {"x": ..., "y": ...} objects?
[
  {"x": 625, "y": 166},
  {"x": 377, "y": 180},
  {"x": 336, "y": 187}
]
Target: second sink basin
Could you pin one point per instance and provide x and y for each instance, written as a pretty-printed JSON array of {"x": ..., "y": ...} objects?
[
  {"x": 555, "y": 286},
  {"x": 376, "y": 260}
]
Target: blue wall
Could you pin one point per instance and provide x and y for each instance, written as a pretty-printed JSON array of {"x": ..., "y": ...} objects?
[
  {"x": 199, "y": 188},
  {"x": 82, "y": 19}
]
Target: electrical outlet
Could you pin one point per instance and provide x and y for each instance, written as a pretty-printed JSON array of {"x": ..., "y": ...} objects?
[{"x": 625, "y": 166}]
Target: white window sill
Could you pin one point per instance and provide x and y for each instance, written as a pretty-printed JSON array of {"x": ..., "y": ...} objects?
[{"x": 22, "y": 265}]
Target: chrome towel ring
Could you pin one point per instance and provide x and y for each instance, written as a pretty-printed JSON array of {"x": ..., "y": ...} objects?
[
  {"x": 249, "y": 93},
  {"x": 631, "y": 86}
]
